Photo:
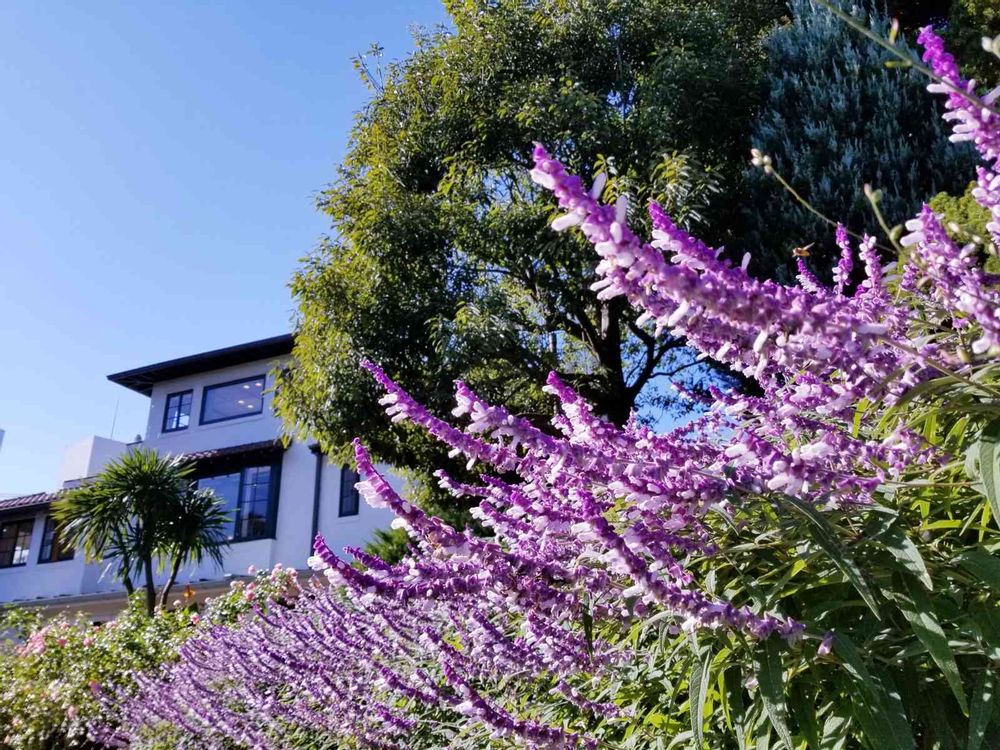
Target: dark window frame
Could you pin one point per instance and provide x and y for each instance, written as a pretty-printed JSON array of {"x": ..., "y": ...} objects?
[
  {"x": 349, "y": 493},
  {"x": 53, "y": 543},
  {"x": 215, "y": 386},
  {"x": 274, "y": 493},
  {"x": 19, "y": 522},
  {"x": 166, "y": 410}
]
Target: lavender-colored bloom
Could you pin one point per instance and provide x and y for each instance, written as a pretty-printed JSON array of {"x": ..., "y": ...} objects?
[{"x": 589, "y": 521}]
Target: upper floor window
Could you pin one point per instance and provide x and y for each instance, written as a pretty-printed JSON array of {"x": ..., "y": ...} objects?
[
  {"x": 54, "y": 547},
  {"x": 178, "y": 412},
  {"x": 15, "y": 539},
  {"x": 349, "y": 498},
  {"x": 250, "y": 497},
  {"x": 232, "y": 400}
]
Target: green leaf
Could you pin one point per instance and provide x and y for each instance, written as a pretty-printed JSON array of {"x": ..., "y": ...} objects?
[
  {"x": 906, "y": 553},
  {"x": 983, "y": 565},
  {"x": 981, "y": 709},
  {"x": 698, "y": 692},
  {"x": 824, "y": 535},
  {"x": 883, "y": 719},
  {"x": 770, "y": 682},
  {"x": 988, "y": 445},
  {"x": 804, "y": 712},
  {"x": 916, "y": 607},
  {"x": 733, "y": 696},
  {"x": 588, "y": 627}
]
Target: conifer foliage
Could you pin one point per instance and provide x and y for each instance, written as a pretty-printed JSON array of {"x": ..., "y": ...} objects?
[{"x": 835, "y": 118}]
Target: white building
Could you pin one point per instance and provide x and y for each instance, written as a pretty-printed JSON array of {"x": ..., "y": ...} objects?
[{"x": 214, "y": 408}]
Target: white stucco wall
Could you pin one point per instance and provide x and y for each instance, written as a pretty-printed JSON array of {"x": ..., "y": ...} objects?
[
  {"x": 292, "y": 543},
  {"x": 87, "y": 457}
]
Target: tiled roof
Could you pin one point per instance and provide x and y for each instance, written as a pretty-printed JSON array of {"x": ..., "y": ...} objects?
[
  {"x": 28, "y": 501},
  {"x": 207, "y": 457}
]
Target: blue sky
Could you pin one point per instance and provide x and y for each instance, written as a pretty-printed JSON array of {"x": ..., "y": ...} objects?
[{"x": 158, "y": 168}]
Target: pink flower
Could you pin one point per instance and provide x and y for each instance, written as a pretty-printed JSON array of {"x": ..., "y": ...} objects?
[{"x": 195, "y": 618}]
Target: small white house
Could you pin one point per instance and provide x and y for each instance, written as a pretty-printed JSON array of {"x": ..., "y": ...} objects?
[{"x": 214, "y": 408}]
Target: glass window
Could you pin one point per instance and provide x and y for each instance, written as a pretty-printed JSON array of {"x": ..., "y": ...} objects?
[
  {"x": 226, "y": 487},
  {"x": 178, "y": 412},
  {"x": 232, "y": 400},
  {"x": 249, "y": 497},
  {"x": 349, "y": 498},
  {"x": 255, "y": 503},
  {"x": 53, "y": 547},
  {"x": 15, "y": 538}
]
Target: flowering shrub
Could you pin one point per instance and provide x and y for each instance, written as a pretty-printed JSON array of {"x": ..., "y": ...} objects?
[
  {"x": 813, "y": 567},
  {"x": 58, "y": 673}
]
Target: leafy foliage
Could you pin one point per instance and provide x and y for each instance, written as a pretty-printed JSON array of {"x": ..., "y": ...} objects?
[
  {"x": 440, "y": 265},
  {"x": 58, "y": 673},
  {"x": 968, "y": 22},
  {"x": 836, "y": 118},
  {"x": 144, "y": 509},
  {"x": 813, "y": 568}
]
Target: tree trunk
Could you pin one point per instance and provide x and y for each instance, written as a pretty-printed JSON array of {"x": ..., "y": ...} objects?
[
  {"x": 174, "y": 570},
  {"x": 147, "y": 565},
  {"x": 129, "y": 586}
]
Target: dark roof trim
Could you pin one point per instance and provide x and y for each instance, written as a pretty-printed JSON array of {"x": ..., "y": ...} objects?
[{"x": 142, "y": 379}]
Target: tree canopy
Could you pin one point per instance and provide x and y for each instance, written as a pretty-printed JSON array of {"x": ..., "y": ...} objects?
[{"x": 440, "y": 265}]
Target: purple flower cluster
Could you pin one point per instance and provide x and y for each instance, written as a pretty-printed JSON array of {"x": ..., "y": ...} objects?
[{"x": 594, "y": 526}]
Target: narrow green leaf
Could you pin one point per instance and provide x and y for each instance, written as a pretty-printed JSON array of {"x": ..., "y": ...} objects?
[
  {"x": 988, "y": 453},
  {"x": 733, "y": 680},
  {"x": 906, "y": 553},
  {"x": 804, "y": 711},
  {"x": 588, "y": 627},
  {"x": 834, "y": 731},
  {"x": 983, "y": 565},
  {"x": 824, "y": 535},
  {"x": 883, "y": 719},
  {"x": 698, "y": 693},
  {"x": 771, "y": 683},
  {"x": 981, "y": 709},
  {"x": 916, "y": 607}
]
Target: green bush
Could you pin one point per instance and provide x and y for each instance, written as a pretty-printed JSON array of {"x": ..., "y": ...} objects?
[
  {"x": 837, "y": 118},
  {"x": 56, "y": 671}
]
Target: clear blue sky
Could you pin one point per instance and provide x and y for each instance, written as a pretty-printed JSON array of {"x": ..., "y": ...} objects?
[{"x": 158, "y": 166}]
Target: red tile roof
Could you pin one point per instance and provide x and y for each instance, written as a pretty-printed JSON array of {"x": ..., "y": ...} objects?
[{"x": 39, "y": 499}]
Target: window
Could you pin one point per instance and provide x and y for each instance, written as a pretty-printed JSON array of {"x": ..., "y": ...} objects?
[
  {"x": 53, "y": 547},
  {"x": 233, "y": 400},
  {"x": 178, "y": 412},
  {"x": 349, "y": 499},
  {"x": 250, "y": 498},
  {"x": 15, "y": 538}
]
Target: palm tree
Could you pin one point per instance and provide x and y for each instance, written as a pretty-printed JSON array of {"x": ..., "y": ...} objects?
[{"x": 141, "y": 510}]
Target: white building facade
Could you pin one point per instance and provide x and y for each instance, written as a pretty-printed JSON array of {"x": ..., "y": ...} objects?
[{"x": 215, "y": 409}]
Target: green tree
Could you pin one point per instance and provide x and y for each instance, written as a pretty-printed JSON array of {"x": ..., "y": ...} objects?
[
  {"x": 143, "y": 510},
  {"x": 440, "y": 264},
  {"x": 968, "y": 22},
  {"x": 836, "y": 117}
]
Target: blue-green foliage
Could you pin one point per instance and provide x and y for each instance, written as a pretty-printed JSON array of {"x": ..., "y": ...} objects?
[{"x": 835, "y": 118}]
